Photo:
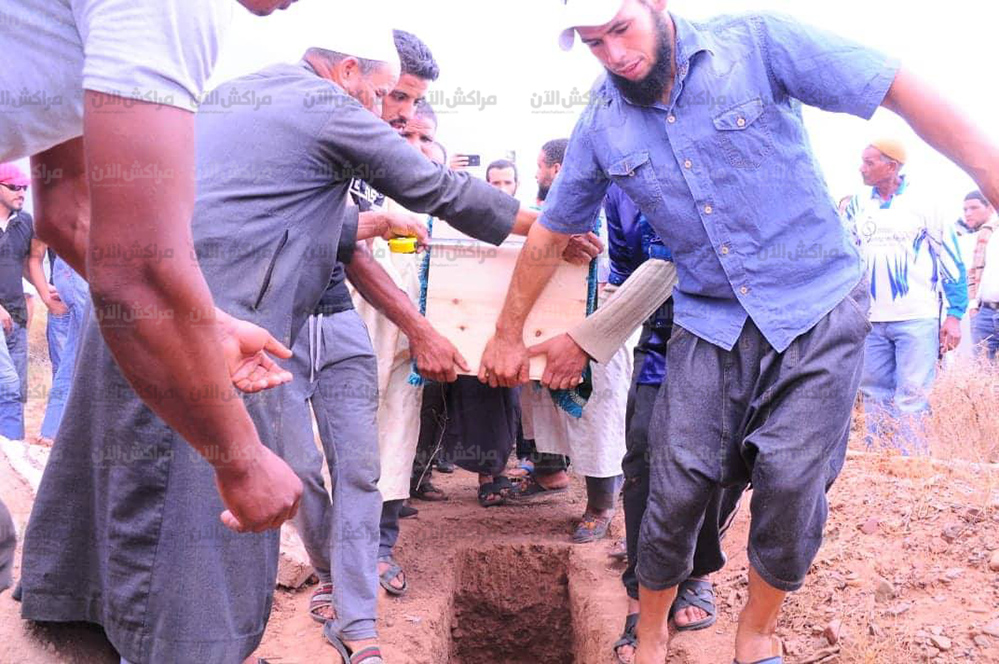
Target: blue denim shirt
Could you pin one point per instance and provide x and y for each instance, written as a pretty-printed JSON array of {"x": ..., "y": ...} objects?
[{"x": 726, "y": 175}]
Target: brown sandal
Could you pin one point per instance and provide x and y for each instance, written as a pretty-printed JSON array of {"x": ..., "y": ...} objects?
[{"x": 322, "y": 598}]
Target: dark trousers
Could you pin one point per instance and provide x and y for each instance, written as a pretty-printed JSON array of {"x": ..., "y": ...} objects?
[
  {"x": 431, "y": 443},
  {"x": 708, "y": 556},
  {"x": 777, "y": 419},
  {"x": 7, "y": 545}
]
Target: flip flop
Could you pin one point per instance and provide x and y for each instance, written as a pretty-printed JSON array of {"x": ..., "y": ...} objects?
[
  {"x": 427, "y": 491},
  {"x": 501, "y": 487},
  {"x": 697, "y": 594},
  {"x": 367, "y": 655},
  {"x": 321, "y": 598},
  {"x": 385, "y": 578},
  {"x": 525, "y": 469},
  {"x": 628, "y": 636},
  {"x": 530, "y": 488}
]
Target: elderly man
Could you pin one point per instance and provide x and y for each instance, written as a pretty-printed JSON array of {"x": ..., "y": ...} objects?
[
  {"x": 126, "y": 530},
  {"x": 911, "y": 249},
  {"x": 766, "y": 353},
  {"x": 336, "y": 371}
]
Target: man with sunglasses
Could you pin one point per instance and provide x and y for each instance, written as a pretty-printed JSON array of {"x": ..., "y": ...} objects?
[{"x": 16, "y": 233}]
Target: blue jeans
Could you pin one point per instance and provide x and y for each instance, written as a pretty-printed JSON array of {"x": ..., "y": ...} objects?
[
  {"x": 55, "y": 335},
  {"x": 75, "y": 294},
  {"x": 985, "y": 332},
  {"x": 899, "y": 369},
  {"x": 13, "y": 381}
]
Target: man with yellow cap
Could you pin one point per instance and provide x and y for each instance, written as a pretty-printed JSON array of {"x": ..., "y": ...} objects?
[
  {"x": 701, "y": 125},
  {"x": 911, "y": 252}
]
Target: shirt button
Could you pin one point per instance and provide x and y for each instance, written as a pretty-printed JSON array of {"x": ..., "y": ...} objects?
[
  {"x": 741, "y": 122},
  {"x": 708, "y": 209},
  {"x": 671, "y": 118},
  {"x": 688, "y": 164},
  {"x": 724, "y": 249},
  {"x": 744, "y": 290}
]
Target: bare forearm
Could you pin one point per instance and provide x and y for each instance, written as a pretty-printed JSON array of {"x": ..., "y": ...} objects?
[
  {"x": 536, "y": 264},
  {"x": 377, "y": 287},
  {"x": 371, "y": 224},
  {"x": 946, "y": 128},
  {"x": 34, "y": 272},
  {"x": 524, "y": 220},
  {"x": 62, "y": 202},
  {"x": 156, "y": 313}
]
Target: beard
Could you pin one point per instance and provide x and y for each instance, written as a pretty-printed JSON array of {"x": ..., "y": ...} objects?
[
  {"x": 543, "y": 192},
  {"x": 648, "y": 90}
]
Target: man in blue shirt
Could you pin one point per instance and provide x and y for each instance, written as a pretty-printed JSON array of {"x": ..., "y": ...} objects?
[{"x": 701, "y": 126}]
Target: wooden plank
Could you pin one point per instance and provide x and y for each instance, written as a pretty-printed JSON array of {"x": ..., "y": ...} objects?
[{"x": 468, "y": 283}]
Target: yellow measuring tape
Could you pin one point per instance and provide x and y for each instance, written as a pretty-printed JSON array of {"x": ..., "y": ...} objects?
[{"x": 403, "y": 245}]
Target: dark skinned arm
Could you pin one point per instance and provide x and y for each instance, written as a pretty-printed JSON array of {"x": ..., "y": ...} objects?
[
  {"x": 436, "y": 357},
  {"x": 505, "y": 361},
  {"x": 183, "y": 369},
  {"x": 35, "y": 273}
]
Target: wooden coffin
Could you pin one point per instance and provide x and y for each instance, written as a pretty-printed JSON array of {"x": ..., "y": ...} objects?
[{"x": 467, "y": 286}]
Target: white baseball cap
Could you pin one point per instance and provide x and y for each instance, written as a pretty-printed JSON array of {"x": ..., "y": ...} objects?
[{"x": 584, "y": 13}]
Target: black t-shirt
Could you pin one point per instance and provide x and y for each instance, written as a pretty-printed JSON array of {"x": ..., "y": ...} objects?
[
  {"x": 336, "y": 298},
  {"x": 15, "y": 244}
]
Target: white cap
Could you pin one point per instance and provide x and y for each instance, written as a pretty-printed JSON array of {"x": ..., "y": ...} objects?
[
  {"x": 586, "y": 13},
  {"x": 360, "y": 29}
]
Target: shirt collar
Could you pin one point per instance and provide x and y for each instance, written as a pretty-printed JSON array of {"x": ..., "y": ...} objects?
[
  {"x": 690, "y": 40},
  {"x": 903, "y": 185}
]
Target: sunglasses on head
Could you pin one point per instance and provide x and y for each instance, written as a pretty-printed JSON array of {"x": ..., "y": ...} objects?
[{"x": 15, "y": 187}]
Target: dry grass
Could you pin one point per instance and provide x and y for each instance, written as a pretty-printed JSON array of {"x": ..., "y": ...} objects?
[
  {"x": 889, "y": 647},
  {"x": 964, "y": 424}
]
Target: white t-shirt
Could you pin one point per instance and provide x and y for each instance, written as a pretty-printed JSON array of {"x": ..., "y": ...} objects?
[
  {"x": 909, "y": 247},
  {"x": 161, "y": 51}
]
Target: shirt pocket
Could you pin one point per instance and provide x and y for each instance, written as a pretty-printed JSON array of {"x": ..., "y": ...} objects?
[
  {"x": 265, "y": 284},
  {"x": 743, "y": 134},
  {"x": 637, "y": 178}
]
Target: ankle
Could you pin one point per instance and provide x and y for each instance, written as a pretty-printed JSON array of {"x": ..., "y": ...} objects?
[
  {"x": 552, "y": 479},
  {"x": 604, "y": 512},
  {"x": 752, "y": 646}
]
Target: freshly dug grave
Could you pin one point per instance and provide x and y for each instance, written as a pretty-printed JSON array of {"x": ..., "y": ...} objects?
[{"x": 511, "y": 604}]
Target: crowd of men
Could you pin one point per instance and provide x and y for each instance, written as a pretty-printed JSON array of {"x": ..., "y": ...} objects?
[{"x": 738, "y": 312}]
